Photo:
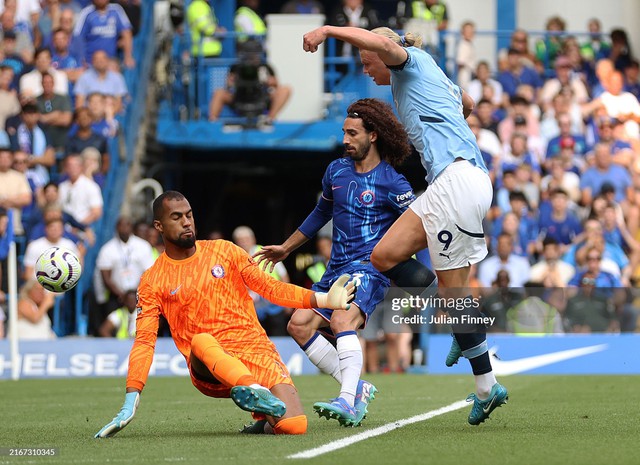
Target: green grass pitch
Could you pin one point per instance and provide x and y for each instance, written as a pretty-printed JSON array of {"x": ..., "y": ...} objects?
[{"x": 549, "y": 420}]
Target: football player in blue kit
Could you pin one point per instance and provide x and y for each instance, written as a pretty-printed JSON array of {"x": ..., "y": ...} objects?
[
  {"x": 448, "y": 216},
  {"x": 364, "y": 195}
]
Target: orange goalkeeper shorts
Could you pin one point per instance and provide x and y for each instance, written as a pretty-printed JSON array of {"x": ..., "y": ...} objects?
[{"x": 267, "y": 368}]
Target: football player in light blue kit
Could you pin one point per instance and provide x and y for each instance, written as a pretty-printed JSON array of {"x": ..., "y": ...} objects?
[
  {"x": 364, "y": 196},
  {"x": 448, "y": 216}
]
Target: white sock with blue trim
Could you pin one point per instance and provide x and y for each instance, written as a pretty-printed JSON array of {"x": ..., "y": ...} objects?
[{"x": 350, "y": 357}]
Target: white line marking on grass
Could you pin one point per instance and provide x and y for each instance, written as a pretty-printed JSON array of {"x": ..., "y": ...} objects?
[{"x": 380, "y": 430}]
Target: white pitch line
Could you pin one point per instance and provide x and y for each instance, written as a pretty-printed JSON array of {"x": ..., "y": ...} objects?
[{"x": 346, "y": 442}]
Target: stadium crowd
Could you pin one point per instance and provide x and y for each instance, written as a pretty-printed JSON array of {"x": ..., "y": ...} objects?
[{"x": 557, "y": 120}]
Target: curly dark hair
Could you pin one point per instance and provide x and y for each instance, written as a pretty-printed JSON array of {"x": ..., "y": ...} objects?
[{"x": 376, "y": 115}]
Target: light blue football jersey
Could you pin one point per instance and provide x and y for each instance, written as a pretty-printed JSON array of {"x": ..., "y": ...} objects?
[{"x": 430, "y": 107}]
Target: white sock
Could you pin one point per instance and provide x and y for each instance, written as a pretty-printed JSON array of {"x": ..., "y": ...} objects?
[
  {"x": 350, "y": 356},
  {"x": 258, "y": 386},
  {"x": 323, "y": 355},
  {"x": 484, "y": 383}
]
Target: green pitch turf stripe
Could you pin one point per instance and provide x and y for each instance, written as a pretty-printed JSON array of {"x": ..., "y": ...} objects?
[{"x": 346, "y": 442}]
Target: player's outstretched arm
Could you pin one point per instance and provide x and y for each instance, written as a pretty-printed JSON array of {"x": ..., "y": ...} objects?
[
  {"x": 388, "y": 51},
  {"x": 339, "y": 296},
  {"x": 268, "y": 256},
  {"x": 124, "y": 416}
]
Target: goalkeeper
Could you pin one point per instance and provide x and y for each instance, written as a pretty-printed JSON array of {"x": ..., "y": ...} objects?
[{"x": 200, "y": 287}]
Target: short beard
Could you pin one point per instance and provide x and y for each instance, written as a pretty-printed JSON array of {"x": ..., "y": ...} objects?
[
  {"x": 361, "y": 153},
  {"x": 183, "y": 243}
]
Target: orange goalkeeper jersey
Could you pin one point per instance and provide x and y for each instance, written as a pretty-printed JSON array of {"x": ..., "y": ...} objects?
[{"x": 206, "y": 293}]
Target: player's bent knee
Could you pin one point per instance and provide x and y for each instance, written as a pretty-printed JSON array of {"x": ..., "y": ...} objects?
[
  {"x": 380, "y": 259},
  {"x": 291, "y": 425},
  {"x": 301, "y": 333}
]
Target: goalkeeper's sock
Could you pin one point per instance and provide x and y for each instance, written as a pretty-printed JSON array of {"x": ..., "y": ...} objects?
[
  {"x": 350, "y": 358},
  {"x": 323, "y": 355},
  {"x": 225, "y": 368}
]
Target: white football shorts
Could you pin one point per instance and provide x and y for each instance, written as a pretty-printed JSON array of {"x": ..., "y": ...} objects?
[{"x": 452, "y": 210}]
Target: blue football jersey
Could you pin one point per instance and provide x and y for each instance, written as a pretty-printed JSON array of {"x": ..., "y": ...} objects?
[
  {"x": 430, "y": 107},
  {"x": 365, "y": 205}
]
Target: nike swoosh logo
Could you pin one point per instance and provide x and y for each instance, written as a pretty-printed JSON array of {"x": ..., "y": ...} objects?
[
  {"x": 511, "y": 367},
  {"x": 333, "y": 188},
  {"x": 487, "y": 409},
  {"x": 175, "y": 290}
]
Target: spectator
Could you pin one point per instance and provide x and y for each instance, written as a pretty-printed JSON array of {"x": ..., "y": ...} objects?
[
  {"x": 560, "y": 103},
  {"x": 483, "y": 78},
  {"x": 133, "y": 10},
  {"x": 34, "y": 303},
  {"x": 466, "y": 54},
  {"x": 55, "y": 114},
  {"x": 65, "y": 23},
  {"x": 607, "y": 129},
  {"x": 486, "y": 112},
  {"x": 620, "y": 49},
  {"x": 15, "y": 192},
  {"x": 302, "y": 7},
  {"x": 621, "y": 105},
  {"x": 516, "y": 73},
  {"x": 518, "y": 155},
  {"x": 27, "y": 137},
  {"x": 85, "y": 136},
  {"x": 102, "y": 110},
  {"x": 588, "y": 310},
  {"x": 564, "y": 78},
  {"x": 31, "y": 83},
  {"x": 247, "y": 21},
  {"x": 91, "y": 29},
  {"x": 499, "y": 299},
  {"x": 549, "y": 47},
  {"x": 566, "y": 137},
  {"x": 519, "y": 114},
  {"x": 22, "y": 45},
  {"x": 533, "y": 314},
  {"x": 53, "y": 237},
  {"x": 91, "y": 157},
  {"x": 36, "y": 183},
  {"x": 119, "y": 267},
  {"x": 550, "y": 271},
  {"x": 604, "y": 69},
  {"x": 519, "y": 43},
  {"x": 51, "y": 210},
  {"x": 631, "y": 81},
  {"x": 203, "y": 25},
  {"x": 354, "y": 13},
  {"x": 504, "y": 259},
  {"x": 9, "y": 103},
  {"x": 559, "y": 178},
  {"x": 121, "y": 323},
  {"x": 558, "y": 222},
  {"x": 603, "y": 171},
  {"x": 80, "y": 196},
  {"x": 488, "y": 157},
  {"x": 596, "y": 47},
  {"x": 100, "y": 79},
  {"x": 272, "y": 317},
  {"x": 62, "y": 57},
  {"x": 248, "y": 84},
  {"x": 614, "y": 261}
]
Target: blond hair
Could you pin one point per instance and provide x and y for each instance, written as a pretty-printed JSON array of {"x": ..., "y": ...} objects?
[{"x": 410, "y": 39}]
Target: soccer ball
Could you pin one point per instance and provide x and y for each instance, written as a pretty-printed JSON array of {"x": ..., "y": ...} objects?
[{"x": 58, "y": 269}]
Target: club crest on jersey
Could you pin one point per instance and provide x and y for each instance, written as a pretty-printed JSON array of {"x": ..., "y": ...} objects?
[
  {"x": 367, "y": 197},
  {"x": 217, "y": 271}
]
